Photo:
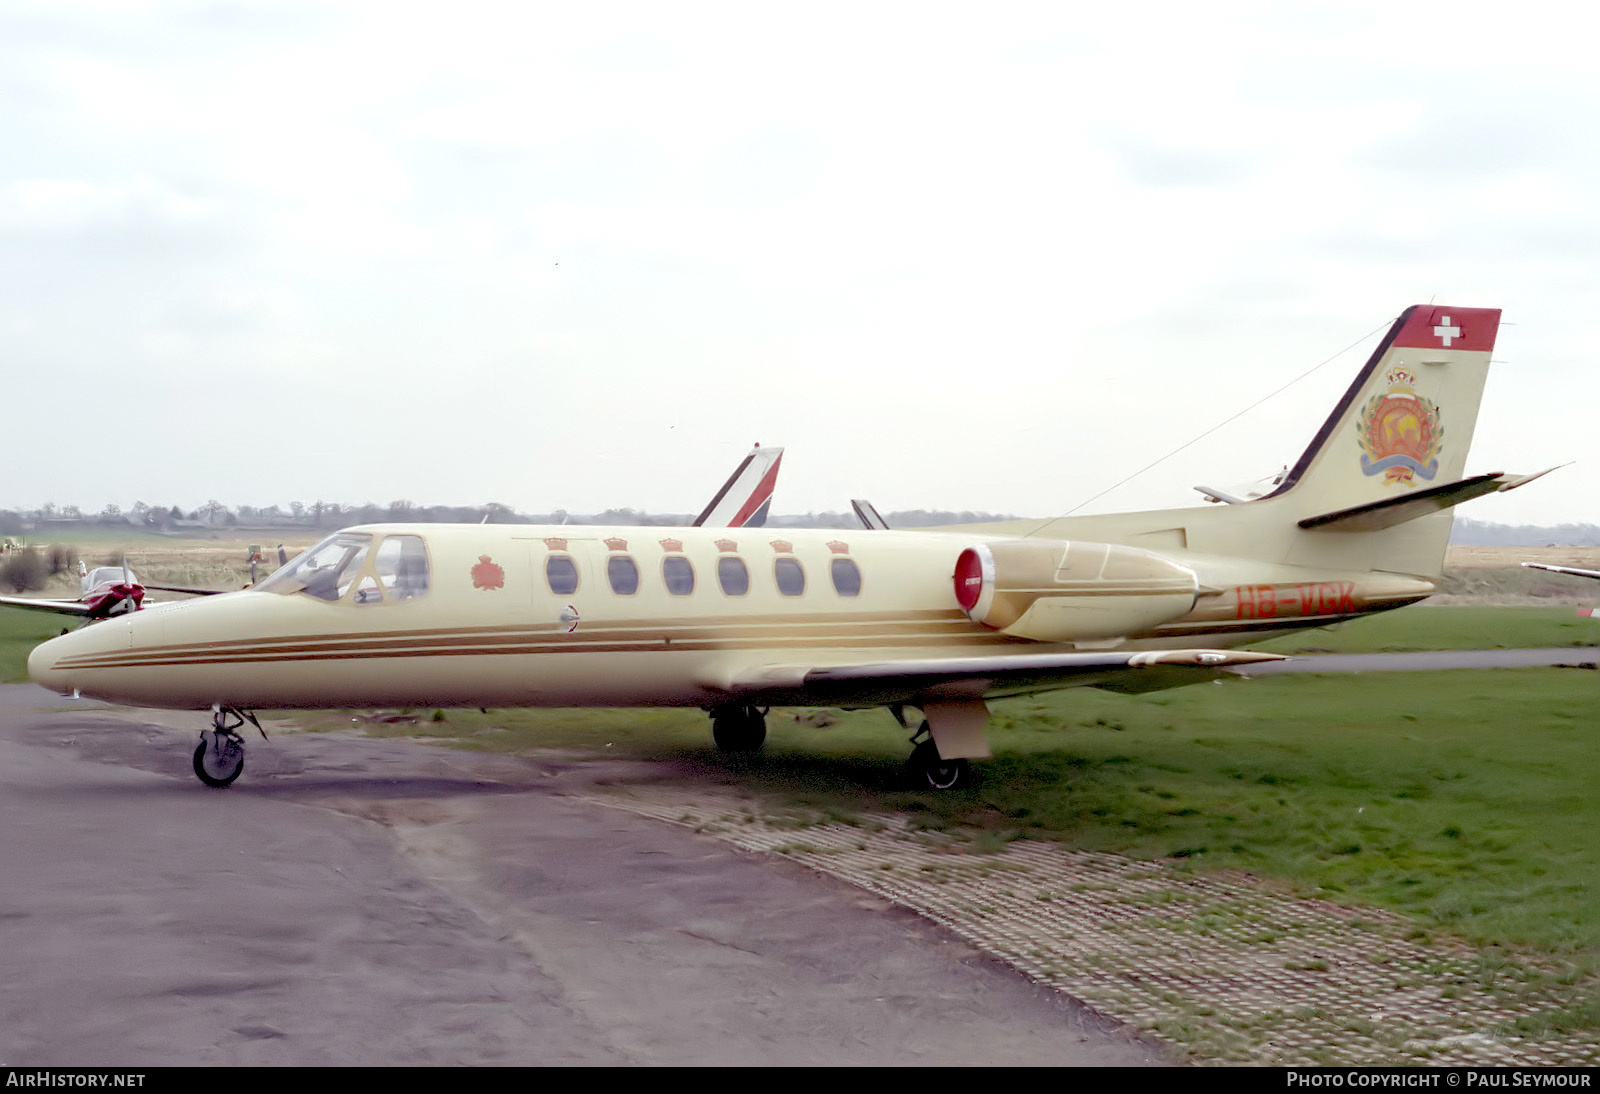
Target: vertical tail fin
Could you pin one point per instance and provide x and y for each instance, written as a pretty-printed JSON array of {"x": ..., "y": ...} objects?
[
  {"x": 746, "y": 498},
  {"x": 1407, "y": 421}
]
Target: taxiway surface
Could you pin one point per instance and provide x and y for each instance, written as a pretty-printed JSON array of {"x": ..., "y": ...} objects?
[{"x": 363, "y": 901}]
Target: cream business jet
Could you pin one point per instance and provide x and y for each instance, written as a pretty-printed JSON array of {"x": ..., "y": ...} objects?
[{"x": 736, "y": 620}]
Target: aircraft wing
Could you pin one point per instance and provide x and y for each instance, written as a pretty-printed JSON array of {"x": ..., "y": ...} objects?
[
  {"x": 185, "y": 589},
  {"x": 1574, "y": 571},
  {"x": 952, "y": 678},
  {"x": 64, "y": 607}
]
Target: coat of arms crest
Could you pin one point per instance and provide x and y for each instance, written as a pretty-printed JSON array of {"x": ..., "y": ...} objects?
[{"x": 1400, "y": 433}]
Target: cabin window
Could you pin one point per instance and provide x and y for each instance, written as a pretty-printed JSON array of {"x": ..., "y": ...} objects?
[
  {"x": 733, "y": 576},
  {"x": 791, "y": 578},
  {"x": 561, "y": 572},
  {"x": 846, "y": 577},
  {"x": 402, "y": 566},
  {"x": 325, "y": 571},
  {"x": 678, "y": 575},
  {"x": 623, "y": 573}
]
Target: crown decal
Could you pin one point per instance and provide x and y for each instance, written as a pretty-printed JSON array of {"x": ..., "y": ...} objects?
[
  {"x": 615, "y": 543},
  {"x": 672, "y": 545}
]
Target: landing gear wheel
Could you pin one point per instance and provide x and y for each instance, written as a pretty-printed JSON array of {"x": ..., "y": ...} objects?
[
  {"x": 738, "y": 728},
  {"x": 926, "y": 771},
  {"x": 218, "y": 759}
]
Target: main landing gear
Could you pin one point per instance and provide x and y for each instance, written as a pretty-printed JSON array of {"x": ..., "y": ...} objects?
[
  {"x": 219, "y": 757},
  {"x": 738, "y": 727},
  {"x": 926, "y": 770}
]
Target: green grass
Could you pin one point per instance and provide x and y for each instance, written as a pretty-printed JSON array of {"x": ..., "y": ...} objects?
[
  {"x": 1452, "y": 627},
  {"x": 1463, "y": 799},
  {"x": 20, "y": 631}
]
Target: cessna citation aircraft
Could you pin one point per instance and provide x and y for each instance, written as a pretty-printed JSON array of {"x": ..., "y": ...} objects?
[{"x": 735, "y": 620}]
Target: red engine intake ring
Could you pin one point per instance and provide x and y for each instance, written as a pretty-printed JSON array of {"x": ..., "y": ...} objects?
[{"x": 974, "y": 582}]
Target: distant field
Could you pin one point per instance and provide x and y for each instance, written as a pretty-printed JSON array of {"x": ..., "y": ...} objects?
[{"x": 210, "y": 563}]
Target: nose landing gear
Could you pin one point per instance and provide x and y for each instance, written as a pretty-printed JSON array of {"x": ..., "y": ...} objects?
[{"x": 219, "y": 757}]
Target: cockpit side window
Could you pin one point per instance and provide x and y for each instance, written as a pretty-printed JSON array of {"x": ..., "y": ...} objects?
[{"x": 325, "y": 571}]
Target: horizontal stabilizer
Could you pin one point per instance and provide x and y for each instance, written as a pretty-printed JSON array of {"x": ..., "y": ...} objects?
[
  {"x": 974, "y": 677},
  {"x": 1377, "y": 515}
]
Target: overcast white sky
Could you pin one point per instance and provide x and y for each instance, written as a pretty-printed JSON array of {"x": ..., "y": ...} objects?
[{"x": 581, "y": 255}]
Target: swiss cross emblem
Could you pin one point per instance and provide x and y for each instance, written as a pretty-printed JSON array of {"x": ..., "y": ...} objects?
[
  {"x": 1446, "y": 331},
  {"x": 488, "y": 574}
]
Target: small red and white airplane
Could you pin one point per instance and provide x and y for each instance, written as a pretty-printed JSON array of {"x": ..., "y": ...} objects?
[
  {"x": 105, "y": 591},
  {"x": 1575, "y": 572}
]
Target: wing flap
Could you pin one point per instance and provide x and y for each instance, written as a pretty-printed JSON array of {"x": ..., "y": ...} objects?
[{"x": 953, "y": 678}]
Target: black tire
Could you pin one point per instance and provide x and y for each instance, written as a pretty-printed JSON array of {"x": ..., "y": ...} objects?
[
  {"x": 926, "y": 771},
  {"x": 738, "y": 729},
  {"x": 212, "y": 775}
]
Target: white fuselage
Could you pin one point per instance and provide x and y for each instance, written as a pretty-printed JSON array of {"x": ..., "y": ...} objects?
[{"x": 499, "y": 625}]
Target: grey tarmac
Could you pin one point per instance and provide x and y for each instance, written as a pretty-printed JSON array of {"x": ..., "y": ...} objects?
[{"x": 383, "y": 902}]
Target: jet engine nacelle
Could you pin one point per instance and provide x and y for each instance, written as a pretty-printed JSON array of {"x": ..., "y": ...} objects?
[{"x": 1067, "y": 591}]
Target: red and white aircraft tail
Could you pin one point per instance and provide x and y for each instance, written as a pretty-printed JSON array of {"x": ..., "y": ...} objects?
[
  {"x": 1589, "y": 613},
  {"x": 746, "y": 498}
]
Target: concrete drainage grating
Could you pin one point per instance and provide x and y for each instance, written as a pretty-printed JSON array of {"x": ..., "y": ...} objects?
[{"x": 1220, "y": 965}]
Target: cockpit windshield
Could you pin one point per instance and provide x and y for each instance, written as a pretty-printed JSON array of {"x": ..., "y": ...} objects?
[
  {"x": 397, "y": 571},
  {"x": 325, "y": 571}
]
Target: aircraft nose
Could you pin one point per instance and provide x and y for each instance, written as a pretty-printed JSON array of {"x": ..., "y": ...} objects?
[{"x": 42, "y": 666}]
